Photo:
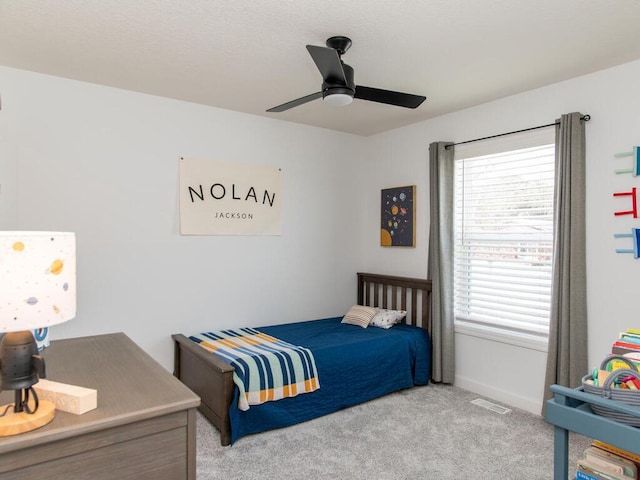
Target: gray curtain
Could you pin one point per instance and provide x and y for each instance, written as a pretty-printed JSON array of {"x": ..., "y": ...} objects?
[
  {"x": 440, "y": 267},
  {"x": 567, "y": 355}
]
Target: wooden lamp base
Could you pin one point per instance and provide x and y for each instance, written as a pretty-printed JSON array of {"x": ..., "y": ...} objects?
[{"x": 16, "y": 423}]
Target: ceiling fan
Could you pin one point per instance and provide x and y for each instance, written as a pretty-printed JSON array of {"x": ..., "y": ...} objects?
[{"x": 338, "y": 86}]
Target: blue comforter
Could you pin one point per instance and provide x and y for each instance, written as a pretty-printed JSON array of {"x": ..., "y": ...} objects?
[{"x": 354, "y": 365}]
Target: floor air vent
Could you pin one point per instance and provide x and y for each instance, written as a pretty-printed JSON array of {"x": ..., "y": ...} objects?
[{"x": 490, "y": 406}]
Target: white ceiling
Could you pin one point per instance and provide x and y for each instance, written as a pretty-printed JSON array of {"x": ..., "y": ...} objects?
[{"x": 250, "y": 55}]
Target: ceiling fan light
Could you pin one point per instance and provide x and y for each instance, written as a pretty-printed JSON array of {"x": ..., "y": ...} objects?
[{"x": 338, "y": 99}]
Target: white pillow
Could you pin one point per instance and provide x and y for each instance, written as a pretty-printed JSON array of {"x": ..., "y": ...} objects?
[
  {"x": 387, "y": 318},
  {"x": 359, "y": 315}
]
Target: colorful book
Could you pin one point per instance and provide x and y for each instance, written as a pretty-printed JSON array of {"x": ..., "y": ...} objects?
[
  {"x": 629, "y": 337},
  {"x": 586, "y": 471},
  {"x": 617, "y": 451},
  {"x": 620, "y": 350},
  {"x": 633, "y": 356},
  {"x": 630, "y": 346},
  {"x": 581, "y": 475},
  {"x": 610, "y": 463}
]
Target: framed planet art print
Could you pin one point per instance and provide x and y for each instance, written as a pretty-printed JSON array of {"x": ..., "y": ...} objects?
[{"x": 398, "y": 217}]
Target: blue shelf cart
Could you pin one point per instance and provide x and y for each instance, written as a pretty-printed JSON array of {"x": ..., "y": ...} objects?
[{"x": 569, "y": 411}]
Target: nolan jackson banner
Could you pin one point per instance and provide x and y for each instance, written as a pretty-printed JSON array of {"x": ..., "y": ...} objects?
[{"x": 225, "y": 198}]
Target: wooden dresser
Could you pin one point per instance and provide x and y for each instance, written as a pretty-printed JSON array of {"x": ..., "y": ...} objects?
[{"x": 144, "y": 426}]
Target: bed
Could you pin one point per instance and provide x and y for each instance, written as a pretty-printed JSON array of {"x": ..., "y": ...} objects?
[{"x": 354, "y": 364}]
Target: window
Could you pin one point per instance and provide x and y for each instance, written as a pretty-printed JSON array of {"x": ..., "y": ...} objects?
[{"x": 504, "y": 237}]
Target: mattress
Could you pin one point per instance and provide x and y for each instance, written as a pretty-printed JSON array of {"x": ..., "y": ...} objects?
[{"x": 354, "y": 365}]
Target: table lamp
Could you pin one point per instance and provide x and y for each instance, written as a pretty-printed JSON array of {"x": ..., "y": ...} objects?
[{"x": 37, "y": 290}]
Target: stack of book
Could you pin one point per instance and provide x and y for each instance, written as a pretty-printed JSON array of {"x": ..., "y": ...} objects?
[
  {"x": 605, "y": 462},
  {"x": 628, "y": 344}
]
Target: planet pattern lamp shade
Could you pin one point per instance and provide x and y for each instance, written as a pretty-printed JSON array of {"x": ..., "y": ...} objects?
[{"x": 37, "y": 279}]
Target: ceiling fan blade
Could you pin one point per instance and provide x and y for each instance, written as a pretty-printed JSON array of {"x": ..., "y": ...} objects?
[
  {"x": 328, "y": 62},
  {"x": 399, "y": 99},
  {"x": 295, "y": 103}
]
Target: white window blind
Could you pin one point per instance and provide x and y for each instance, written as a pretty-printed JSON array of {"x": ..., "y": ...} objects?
[{"x": 504, "y": 238}]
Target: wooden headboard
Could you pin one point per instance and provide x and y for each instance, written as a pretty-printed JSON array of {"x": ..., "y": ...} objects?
[{"x": 398, "y": 293}]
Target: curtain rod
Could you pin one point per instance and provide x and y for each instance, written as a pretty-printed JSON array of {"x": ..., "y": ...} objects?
[{"x": 586, "y": 118}]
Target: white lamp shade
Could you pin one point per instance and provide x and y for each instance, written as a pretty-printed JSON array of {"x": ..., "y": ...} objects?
[{"x": 37, "y": 279}]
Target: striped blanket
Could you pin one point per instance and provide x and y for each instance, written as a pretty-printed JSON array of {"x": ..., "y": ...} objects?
[{"x": 266, "y": 368}]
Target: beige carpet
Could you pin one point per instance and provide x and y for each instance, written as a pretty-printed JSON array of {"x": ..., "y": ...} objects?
[{"x": 431, "y": 432}]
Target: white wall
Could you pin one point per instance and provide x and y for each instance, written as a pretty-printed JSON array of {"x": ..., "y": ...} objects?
[
  {"x": 511, "y": 374},
  {"x": 103, "y": 163}
]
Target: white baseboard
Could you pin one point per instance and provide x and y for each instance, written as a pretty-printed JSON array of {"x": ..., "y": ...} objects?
[{"x": 502, "y": 396}]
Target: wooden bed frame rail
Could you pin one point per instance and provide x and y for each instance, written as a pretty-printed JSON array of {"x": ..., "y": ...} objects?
[{"x": 212, "y": 379}]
